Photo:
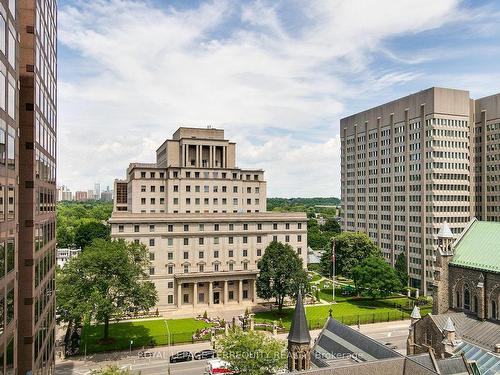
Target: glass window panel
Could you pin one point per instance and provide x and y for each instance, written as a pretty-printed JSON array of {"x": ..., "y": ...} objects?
[
  {"x": 12, "y": 50},
  {"x": 10, "y": 255},
  {"x": 11, "y": 99},
  {"x": 11, "y": 148}
]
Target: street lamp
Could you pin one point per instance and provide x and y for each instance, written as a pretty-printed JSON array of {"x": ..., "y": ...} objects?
[{"x": 168, "y": 345}]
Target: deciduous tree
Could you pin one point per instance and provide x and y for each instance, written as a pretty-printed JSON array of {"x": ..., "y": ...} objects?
[
  {"x": 110, "y": 278},
  {"x": 281, "y": 273},
  {"x": 252, "y": 353},
  {"x": 350, "y": 249},
  {"x": 375, "y": 277}
]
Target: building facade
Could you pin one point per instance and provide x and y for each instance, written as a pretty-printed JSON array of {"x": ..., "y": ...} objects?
[
  {"x": 203, "y": 219},
  {"x": 27, "y": 185},
  {"x": 411, "y": 164},
  {"x": 37, "y": 186}
]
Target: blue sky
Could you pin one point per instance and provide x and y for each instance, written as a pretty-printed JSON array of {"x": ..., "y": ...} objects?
[{"x": 276, "y": 75}]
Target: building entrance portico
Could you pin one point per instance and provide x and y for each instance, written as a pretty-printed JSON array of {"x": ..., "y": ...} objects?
[{"x": 208, "y": 290}]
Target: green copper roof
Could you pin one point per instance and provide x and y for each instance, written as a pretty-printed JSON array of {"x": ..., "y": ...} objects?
[{"x": 479, "y": 247}]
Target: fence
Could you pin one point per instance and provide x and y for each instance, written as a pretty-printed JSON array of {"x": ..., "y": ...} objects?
[{"x": 92, "y": 344}]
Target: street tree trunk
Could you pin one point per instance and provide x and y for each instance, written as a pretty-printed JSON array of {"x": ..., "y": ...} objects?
[{"x": 106, "y": 327}]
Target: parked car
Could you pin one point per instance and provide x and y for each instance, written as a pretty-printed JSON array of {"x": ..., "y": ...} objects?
[
  {"x": 216, "y": 366},
  {"x": 205, "y": 354},
  {"x": 181, "y": 357}
]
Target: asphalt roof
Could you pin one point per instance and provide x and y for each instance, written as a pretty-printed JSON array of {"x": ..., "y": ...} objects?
[
  {"x": 481, "y": 333},
  {"x": 338, "y": 342},
  {"x": 479, "y": 247}
]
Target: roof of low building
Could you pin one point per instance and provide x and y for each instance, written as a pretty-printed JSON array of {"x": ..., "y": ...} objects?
[
  {"x": 479, "y": 247},
  {"x": 487, "y": 362},
  {"x": 338, "y": 342},
  {"x": 481, "y": 333}
]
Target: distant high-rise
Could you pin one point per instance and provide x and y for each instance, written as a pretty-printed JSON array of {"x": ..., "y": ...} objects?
[
  {"x": 97, "y": 191},
  {"x": 411, "y": 164}
]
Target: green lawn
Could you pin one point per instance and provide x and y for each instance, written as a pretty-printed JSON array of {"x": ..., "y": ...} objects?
[
  {"x": 365, "y": 310},
  {"x": 142, "y": 333}
]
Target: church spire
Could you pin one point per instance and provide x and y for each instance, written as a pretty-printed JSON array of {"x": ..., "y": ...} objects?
[{"x": 299, "y": 339}]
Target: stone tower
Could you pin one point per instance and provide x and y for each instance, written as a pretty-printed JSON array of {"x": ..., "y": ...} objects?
[
  {"x": 410, "y": 342},
  {"x": 299, "y": 340},
  {"x": 444, "y": 255}
]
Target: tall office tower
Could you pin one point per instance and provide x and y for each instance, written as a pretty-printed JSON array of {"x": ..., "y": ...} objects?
[
  {"x": 37, "y": 186},
  {"x": 203, "y": 219},
  {"x": 9, "y": 172},
  {"x": 405, "y": 170},
  {"x": 486, "y": 148}
]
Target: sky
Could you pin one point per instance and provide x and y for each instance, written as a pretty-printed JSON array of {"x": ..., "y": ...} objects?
[{"x": 277, "y": 76}]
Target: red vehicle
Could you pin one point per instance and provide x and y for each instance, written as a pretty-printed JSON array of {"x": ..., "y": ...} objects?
[{"x": 217, "y": 366}]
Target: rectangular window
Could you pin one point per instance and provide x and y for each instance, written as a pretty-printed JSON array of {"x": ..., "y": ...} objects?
[
  {"x": 170, "y": 270},
  {"x": 186, "y": 241},
  {"x": 216, "y": 253},
  {"x": 151, "y": 227},
  {"x": 151, "y": 242},
  {"x": 170, "y": 227},
  {"x": 245, "y": 226},
  {"x": 2, "y": 88},
  {"x": 201, "y": 241},
  {"x": 230, "y": 240},
  {"x": 2, "y": 34},
  {"x": 259, "y": 226},
  {"x": 170, "y": 299},
  {"x": 12, "y": 50},
  {"x": 136, "y": 228},
  {"x": 11, "y": 148},
  {"x": 170, "y": 241},
  {"x": 170, "y": 255},
  {"x": 186, "y": 255}
]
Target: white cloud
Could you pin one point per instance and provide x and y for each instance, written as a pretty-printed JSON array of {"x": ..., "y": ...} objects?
[{"x": 245, "y": 68}]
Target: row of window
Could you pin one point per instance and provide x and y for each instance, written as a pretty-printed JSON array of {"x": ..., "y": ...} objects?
[
  {"x": 205, "y": 174},
  {"x": 216, "y": 240},
  {"x": 197, "y": 189},
  {"x": 215, "y": 227}
]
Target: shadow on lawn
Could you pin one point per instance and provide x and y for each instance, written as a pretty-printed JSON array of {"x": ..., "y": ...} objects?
[{"x": 120, "y": 337}]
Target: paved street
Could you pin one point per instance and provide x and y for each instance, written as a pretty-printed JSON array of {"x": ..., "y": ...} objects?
[{"x": 391, "y": 332}]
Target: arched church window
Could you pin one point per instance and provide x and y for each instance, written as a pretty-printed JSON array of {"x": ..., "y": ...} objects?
[{"x": 466, "y": 299}]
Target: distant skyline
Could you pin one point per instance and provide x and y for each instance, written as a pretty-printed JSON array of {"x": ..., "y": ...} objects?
[{"x": 277, "y": 76}]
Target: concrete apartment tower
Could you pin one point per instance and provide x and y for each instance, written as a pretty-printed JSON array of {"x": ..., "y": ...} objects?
[
  {"x": 204, "y": 221},
  {"x": 411, "y": 164}
]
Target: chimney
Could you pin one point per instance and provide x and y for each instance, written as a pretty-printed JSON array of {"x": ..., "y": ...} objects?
[{"x": 497, "y": 348}]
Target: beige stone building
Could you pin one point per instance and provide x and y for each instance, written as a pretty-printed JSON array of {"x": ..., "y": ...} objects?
[
  {"x": 411, "y": 164},
  {"x": 203, "y": 219}
]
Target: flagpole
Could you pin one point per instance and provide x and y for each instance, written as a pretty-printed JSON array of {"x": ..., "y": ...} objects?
[{"x": 333, "y": 271}]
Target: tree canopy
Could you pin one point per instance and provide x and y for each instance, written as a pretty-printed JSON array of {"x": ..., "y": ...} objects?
[
  {"x": 281, "y": 273},
  {"x": 252, "y": 352},
  {"x": 375, "y": 277},
  {"x": 108, "y": 279},
  {"x": 350, "y": 249},
  {"x": 88, "y": 230},
  {"x": 401, "y": 268},
  {"x": 72, "y": 215}
]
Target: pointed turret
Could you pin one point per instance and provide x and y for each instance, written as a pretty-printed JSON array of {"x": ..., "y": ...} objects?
[
  {"x": 299, "y": 339},
  {"x": 445, "y": 231},
  {"x": 415, "y": 314},
  {"x": 299, "y": 331}
]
